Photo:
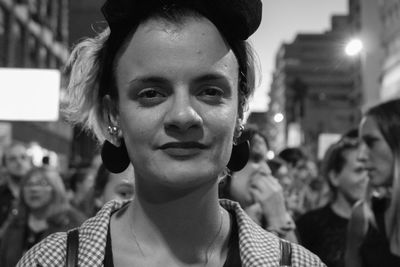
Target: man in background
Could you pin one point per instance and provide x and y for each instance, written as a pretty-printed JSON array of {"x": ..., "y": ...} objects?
[{"x": 16, "y": 164}]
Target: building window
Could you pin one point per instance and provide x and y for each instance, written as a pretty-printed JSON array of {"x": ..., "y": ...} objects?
[{"x": 2, "y": 37}]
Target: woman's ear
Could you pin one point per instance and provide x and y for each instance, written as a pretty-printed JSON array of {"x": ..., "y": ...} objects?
[
  {"x": 99, "y": 202},
  {"x": 333, "y": 178},
  {"x": 110, "y": 111}
]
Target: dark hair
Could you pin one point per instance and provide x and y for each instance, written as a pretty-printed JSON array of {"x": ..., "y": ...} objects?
[
  {"x": 352, "y": 133},
  {"x": 100, "y": 181},
  {"x": 275, "y": 164},
  {"x": 249, "y": 132},
  {"x": 335, "y": 158},
  {"x": 292, "y": 155},
  {"x": 387, "y": 117},
  {"x": 78, "y": 176}
]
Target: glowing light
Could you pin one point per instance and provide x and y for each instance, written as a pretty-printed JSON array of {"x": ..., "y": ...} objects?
[
  {"x": 270, "y": 154},
  {"x": 278, "y": 117},
  {"x": 354, "y": 47}
]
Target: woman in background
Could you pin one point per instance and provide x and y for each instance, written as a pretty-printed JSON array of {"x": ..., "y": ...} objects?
[
  {"x": 323, "y": 230},
  {"x": 109, "y": 186},
  {"x": 44, "y": 209},
  {"x": 257, "y": 191},
  {"x": 374, "y": 228},
  {"x": 80, "y": 183}
]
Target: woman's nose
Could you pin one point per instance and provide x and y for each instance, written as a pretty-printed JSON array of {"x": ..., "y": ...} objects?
[
  {"x": 182, "y": 115},
  {"x": 362, "y": 152}
]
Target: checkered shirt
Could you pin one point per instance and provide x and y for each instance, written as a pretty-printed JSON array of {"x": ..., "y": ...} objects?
[{"x": 258, "y": 248}]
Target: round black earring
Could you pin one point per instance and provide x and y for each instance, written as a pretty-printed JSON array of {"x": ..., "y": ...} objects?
[
  {"x": 115, "y": 159},
  {"x": 239, "y": 157}
]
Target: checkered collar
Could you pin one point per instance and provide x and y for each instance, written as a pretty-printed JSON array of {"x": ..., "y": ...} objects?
[{"x": 257, "y": 247}]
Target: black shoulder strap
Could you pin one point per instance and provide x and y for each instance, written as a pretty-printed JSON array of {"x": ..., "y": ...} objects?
[
  {"x": 72, "y": 248},
  {"x": 286, "y": 253}
]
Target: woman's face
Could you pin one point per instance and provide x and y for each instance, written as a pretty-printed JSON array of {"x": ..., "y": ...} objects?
[
  {"x": 256, "y": 168},
  {"x": 376, "y": 153},
  {"x": 351, "y": 182},
  {"x": 18, "y": 163},
  {"x": 120, "y": 186},
  {"x": 178, "y": 103},
  {"x": 37, "y": 192}
]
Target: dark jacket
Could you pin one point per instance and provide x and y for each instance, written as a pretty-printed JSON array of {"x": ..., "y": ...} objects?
[
  {"x": 13, "y": 244},
  {"x": 7, "y": 202}
]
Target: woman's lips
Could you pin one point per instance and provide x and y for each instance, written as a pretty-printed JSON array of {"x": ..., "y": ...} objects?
[{"x": 182, "y": 149}]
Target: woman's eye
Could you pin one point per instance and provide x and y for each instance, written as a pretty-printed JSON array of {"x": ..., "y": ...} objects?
[
  {"x": 369, "y": 141},
  {"x": 149, "y": 93},
  {"x": 211, "y": 94},
  {"x": 150, "y": 96}
]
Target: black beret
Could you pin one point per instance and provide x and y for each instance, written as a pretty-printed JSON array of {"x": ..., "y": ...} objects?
[{"x": 237, "y": 19}]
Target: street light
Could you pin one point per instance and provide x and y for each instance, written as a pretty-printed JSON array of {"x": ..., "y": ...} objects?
[
  {"x": 278, "y": 117},
  {"x": 354, "y": 47}
]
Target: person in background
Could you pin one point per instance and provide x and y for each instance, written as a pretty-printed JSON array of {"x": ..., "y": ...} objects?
[
  {"x": 80, "y": 183},
  {"x": 16, "y": 163},
  {"x": 167, "y": 85},
  {"x": 43, "y": 210},
  {"x": 323, "y": 230},
  {"x": 280, "y": 171},
  {"x": 109, "y": 186},
  {"x": 257, "y": 191},
  {"x": 374, "y": 228},
  {"x": 303, "y": 195}
]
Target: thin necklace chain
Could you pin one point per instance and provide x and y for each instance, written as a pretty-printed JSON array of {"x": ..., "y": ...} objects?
[
  {"x": 221, "y": 219},
  {"x": 207, "y": 256}
]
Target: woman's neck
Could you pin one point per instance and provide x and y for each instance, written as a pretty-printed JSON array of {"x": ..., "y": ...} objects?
[
  {"x": 193, "y": 228},
  {"x": 342, "y": 207},
  {"x": 37, "y": 223}
]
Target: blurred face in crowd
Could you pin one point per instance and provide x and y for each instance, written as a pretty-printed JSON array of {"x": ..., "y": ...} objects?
[
  {"x": 86, "y": 184},
  {"x": 282, "y": 174},
  {"x": 351, "y": 182},
  {"x": 17, "y": 161},
  {"x": 37, "y": 191},
  {"x": 376, "y": 153},
  {"x": 303, "y": 171},
  {"x": 120, "y": 186},
  {"x": 256, "y": 168},
  {"x": 178, "y": 103}
]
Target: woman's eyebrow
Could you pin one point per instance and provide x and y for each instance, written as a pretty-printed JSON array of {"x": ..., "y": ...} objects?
[
  {"x": 369, "y": 136},
  {"x": 211, "y": 77},
  {"x": 147, "y": 79}
]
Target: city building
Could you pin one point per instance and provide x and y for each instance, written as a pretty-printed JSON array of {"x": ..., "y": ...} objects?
[
  {"x": 366, "y": 23},
  {"x": 34, "y": 34},
  {"x": 390, "y": 77},
  {"x": 377, "y": 24},
  {"x": 315, "y": 89}
]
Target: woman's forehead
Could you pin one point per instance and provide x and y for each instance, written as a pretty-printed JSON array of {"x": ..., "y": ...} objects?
[
  {"x": 368, "y": 125},
  {"x": 195, "y": 36},
  {"x": 37, "y": 176}
]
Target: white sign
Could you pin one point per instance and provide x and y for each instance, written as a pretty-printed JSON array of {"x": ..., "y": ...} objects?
[
  {"x": 29, "y": 94},
  {"x": 294, "y": 135},
  {"x": 325, "y": 140}
]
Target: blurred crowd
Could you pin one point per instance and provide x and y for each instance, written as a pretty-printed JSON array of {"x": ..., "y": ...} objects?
[
  {"x": 320, "y": 204},
  {"x": 36, "y": 201}
]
